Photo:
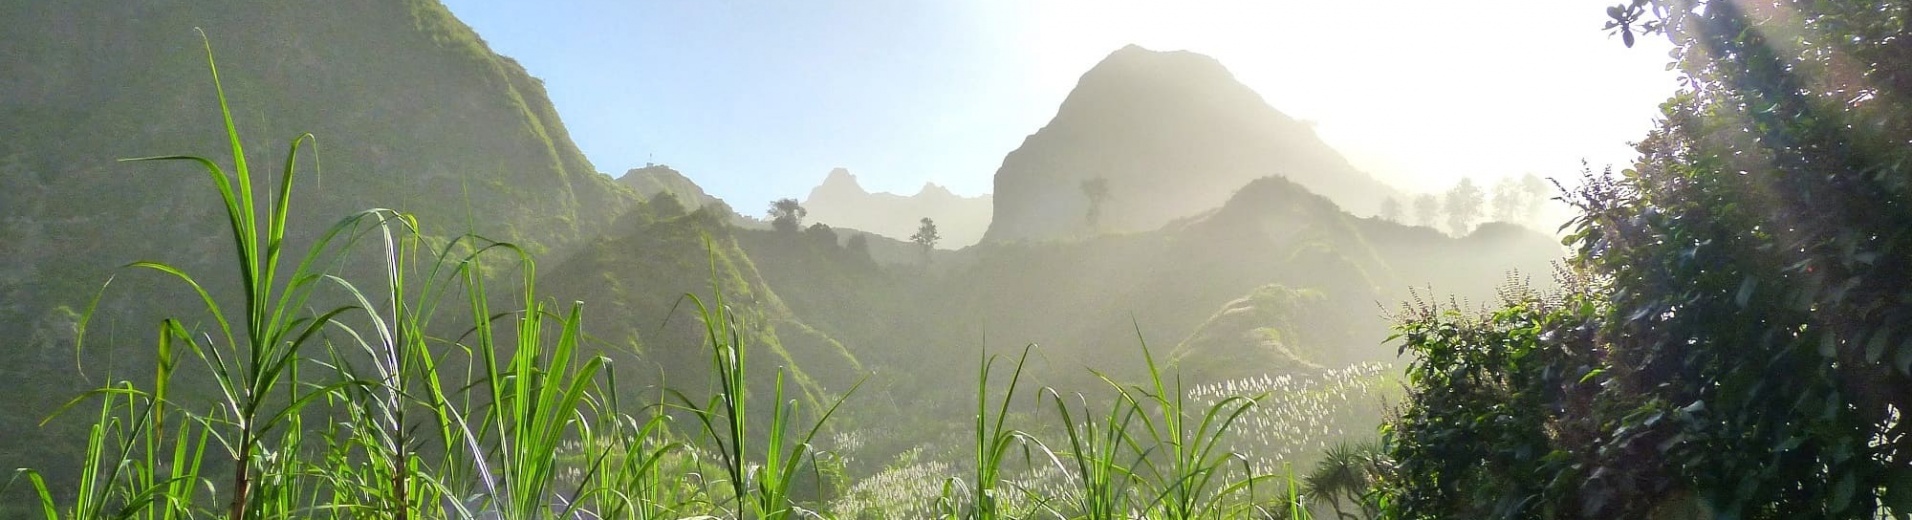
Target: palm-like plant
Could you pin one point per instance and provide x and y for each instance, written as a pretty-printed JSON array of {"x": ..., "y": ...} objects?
[{"x": 1345, "y": 475}]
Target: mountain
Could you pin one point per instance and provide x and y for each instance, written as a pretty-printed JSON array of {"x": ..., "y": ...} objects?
[
  {"x": 1256, "y": 335},
  {"x": 411, "y": 111},
  {"x": 1315, "y": 275},
  {"x": 634, "y": 280},
  {"x": 410, "y": 108},
  {"x": 841, "y": 201},
  {"x": 657, "y": 179},
  {"x": 1165, "y": 135}
]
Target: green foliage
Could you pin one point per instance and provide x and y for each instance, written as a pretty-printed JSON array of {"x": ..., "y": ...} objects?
[
  {"x": 786, "y": 215},
  {"x": 1485, "y": 427},
  {"x": 1779, "y": 201},
  {"x": 318, "y": 435},
  {"x": 1347, "y": 475},
  {"x": 1185, "y": 471},
  {"x": 760, "y": 488},
  {"x": 926, "y": 237},
  {"x": 981, "y": 498},
  {"x": 1747, "y": 328}
]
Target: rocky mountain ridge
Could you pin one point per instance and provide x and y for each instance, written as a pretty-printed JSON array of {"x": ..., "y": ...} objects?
[{"x": 841, "y": 201}]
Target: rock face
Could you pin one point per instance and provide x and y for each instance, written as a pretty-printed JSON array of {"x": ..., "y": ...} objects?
[
  {"x": 842, "y": 202},
  {"x": 1166, "y": 135}
]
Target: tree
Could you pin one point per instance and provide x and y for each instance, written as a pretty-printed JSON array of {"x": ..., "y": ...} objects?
[
  {"x": 926, "y": 236},
  {"x": 822, "y": 234},
  {"x": 1538, "y": 192},
  {"x": 786, "y": 215},
  {"x": 1390, "y": 209},
  {"x": 1487, "y": 406},
  {"x": 1463, "y": 206},
  {"x": 1427, "y": 208},
  {"x": 1346, "y": 474},
  {"x": 859, "y": 243},
  {"x": 1097, "y": 191},
  {"x": 1747, "y": 331},
  {"x": 1510, "y": 200},
  {"x": 665, "y": 205},
  {"x": 1778, "y": 191}
]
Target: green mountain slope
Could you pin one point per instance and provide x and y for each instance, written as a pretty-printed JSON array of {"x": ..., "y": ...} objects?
[
  {"x": 635, "y": 281},
  {"x": 1083, "y": 300},
  {"x": 411, "y": 111},
  {"x": 657, "y": 179}
]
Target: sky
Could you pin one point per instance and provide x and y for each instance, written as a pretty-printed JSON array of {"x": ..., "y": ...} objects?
[{"x": 759, "y": 100}]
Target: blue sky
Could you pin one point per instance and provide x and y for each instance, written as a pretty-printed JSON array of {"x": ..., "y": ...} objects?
[{"x": 759, "y": 100}]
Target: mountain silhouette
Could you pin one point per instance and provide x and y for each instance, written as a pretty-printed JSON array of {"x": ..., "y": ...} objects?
[
  {"x": 841, "y": 201},
  {"x": 1166, "y": 135}
]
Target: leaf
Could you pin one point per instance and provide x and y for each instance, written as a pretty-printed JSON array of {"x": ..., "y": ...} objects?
[
  {"x": 1898, "y": 491},
  {"x": 1745, "y": 291},
  {"x": 1842, "y": 493},
  {"x": 1904, "y": 358},
  {"x": 1875, "y": 349},
  {"x": 1791, "y": 443},
  {"x": 1592, "y": 374}
]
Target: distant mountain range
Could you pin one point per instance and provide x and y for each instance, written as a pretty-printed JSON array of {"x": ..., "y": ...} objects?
[
  {"x": 842, "y": 202},
  {"x": 1164, "y": 135}
]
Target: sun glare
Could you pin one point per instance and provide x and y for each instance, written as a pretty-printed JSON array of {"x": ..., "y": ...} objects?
[{"x": 1419, "y": 94}]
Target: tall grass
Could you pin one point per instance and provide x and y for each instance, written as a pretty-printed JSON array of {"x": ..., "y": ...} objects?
[
  {"x": 759, "y": 488},
  {"x": 320, "y": 414},
  {"x": 334, "y": 399},
  {"x": 1154, "y": 456}
]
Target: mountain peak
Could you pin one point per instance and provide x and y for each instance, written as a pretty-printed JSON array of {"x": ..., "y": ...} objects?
[
  {"x": 1166, "y": 135},
  {"x": 931, "y": 189},
  {"x": 1133, "y": 53},
  {"x": 840, "y": 179},
  {"x": 841, "y": 202}
]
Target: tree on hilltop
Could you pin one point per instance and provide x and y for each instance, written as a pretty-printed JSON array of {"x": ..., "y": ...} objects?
[
  {"x": 786, "y": 215},
  {"x": 926, "y": 236},
  {"x": 1427, "y": 209},
  {"x": 1097, "y": 191},
  {"x": 1463, "y": 205}
]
